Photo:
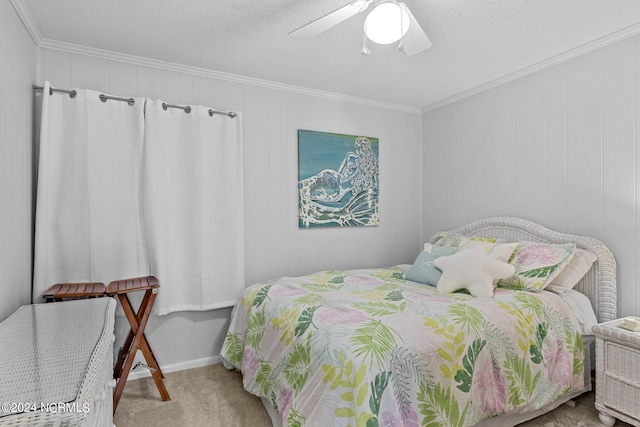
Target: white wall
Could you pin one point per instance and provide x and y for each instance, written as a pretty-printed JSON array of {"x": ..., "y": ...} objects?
[
  {"x": 17, "y": 74},
  {"x": 274, "y": 244},
  {"x": 557, "y": 147}
]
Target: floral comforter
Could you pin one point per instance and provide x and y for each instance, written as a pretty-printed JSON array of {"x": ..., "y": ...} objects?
[{"x": 368, "y": 348}]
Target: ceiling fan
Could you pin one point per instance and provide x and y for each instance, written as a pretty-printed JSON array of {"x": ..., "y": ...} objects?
[{"x": 389, "y": 21}]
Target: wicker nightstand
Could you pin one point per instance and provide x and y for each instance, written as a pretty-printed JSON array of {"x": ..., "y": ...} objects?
[{"x": 617, "y": 373}]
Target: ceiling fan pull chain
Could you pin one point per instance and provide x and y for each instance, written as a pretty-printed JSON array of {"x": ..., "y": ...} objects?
[{"x": 365, "y": 50}]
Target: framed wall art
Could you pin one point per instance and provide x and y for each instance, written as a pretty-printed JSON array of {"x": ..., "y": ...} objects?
[{"x": 337, "y": 180}]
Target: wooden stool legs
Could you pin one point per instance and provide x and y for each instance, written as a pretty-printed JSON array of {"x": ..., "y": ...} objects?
[
  {"x": 136, "y": 338},
  {"x": 144, "y": 344}
]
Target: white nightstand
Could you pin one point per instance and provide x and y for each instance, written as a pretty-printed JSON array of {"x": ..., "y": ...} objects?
[{"x": 617, "y": 373}]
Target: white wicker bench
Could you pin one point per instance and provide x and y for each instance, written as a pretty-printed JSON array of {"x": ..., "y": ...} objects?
[{"x": 56, "y": 364}]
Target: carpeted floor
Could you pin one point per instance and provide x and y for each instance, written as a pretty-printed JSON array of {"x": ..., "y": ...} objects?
[
  {"x": 210, "y": 396},
  {"x": 214, "y": 397}
]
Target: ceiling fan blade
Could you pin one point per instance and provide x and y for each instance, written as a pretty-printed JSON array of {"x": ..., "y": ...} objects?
[
  {"x": 329, "y": 20},
  {"x": 415, "y": 41}
]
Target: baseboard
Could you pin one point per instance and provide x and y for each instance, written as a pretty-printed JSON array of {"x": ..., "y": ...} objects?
[{"x": 173, "y": 367}]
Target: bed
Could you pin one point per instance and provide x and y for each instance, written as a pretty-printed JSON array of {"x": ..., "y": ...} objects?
[{"x": 370, "y": 348}]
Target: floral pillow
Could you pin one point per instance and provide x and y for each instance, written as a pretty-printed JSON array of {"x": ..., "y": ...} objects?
[
  {"x": 453, "y": 240},
  {"x": 537, "y": 264},
  {"x": 502, "y": 251}
]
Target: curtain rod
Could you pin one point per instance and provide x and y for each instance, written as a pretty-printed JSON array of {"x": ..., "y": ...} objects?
[
  {"x": 131, "y": 101},
  {"x": 187, "y": 109},
  {"x": 72, "y": 94}
]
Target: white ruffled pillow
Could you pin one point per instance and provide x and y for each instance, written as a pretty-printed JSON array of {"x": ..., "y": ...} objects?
[{"x": 572, "y": 273}]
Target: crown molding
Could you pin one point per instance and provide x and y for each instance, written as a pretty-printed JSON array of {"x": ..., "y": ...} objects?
[
  {"x": 32, "y": 28},
  {"x": 542, "y": 65},
  {"x": 204, "y": 72},
  {"x": 25, "y": 15}
]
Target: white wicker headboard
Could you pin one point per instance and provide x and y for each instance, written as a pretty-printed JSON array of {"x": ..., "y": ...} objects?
[{"x": 599, "y": 284}]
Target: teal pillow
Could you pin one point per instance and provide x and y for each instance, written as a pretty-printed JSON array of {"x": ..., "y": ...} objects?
[{"x": 423, "y": 270}]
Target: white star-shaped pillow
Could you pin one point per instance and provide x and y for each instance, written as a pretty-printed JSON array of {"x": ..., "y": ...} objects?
[{"x": 473, "y": 270}]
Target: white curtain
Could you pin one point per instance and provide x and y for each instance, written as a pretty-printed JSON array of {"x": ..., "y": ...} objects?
[
  {"x": 194, "y": 207},
  {"x": 88, "y": 196},
  {"x": 127, "y": 191}
]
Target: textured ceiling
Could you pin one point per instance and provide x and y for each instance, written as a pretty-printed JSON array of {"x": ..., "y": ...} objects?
[{"x": 474, "y": 41}]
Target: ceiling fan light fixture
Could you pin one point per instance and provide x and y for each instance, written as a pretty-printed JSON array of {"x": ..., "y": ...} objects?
[{"x": 387, "y": 22}]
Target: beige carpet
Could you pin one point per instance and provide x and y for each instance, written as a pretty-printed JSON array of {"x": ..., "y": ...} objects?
[
  {"x": 212, "y": 396},
  {"x": 208, "y": 396}
]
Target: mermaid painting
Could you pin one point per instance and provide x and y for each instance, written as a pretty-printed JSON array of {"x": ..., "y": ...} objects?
[{"x": 344, "y": 193}]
